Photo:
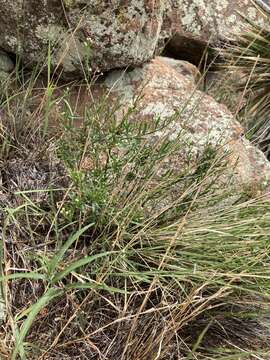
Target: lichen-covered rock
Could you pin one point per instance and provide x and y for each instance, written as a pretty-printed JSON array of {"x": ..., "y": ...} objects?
[
  {"x": 185, "y": 68},
  {"x": 214, "y": 19},
  {"x": 165, "y": 92},
  {"x": 202, "y": 22},
  {"x": 100, "y": 34}
]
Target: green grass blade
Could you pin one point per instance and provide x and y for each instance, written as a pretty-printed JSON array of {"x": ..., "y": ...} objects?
[
  {"x": 28, "y": 275},
  {"x": 96, "y": 286},
  {"x": 58, "y": 257},
  {"x": 35, "y": 309},
  {"x": 79, "y": 263}
]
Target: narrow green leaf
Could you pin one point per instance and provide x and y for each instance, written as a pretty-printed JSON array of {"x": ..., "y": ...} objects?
[
  {"x": 93, "y": 285},
  {"x": 28, "y": 275},
  {"x": 58, "y": 257},
  {"x": 35, "y": 309},
  {"x": 77, "y": 264}
]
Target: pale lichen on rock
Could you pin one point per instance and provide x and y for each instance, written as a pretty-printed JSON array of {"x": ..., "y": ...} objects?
[
  {"x": 218, "y": 18},
  {"x": 117, "y": 33}
]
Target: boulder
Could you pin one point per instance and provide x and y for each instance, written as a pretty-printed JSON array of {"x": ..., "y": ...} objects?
[
  {"x": 217, "y": 19},
  {"x": 97, "y": 36},
  {"x": 101, "y": 35},
  {"x": 167, "y": 90},
  {"x": 202, "y": 22}
]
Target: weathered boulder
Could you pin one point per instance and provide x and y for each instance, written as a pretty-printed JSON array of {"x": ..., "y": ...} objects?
[
  {"x": 97, "y": 36},
  {"x": 100, "y": 34},
  {"x": 202, "y": 22},
  {"x": 211, "y": 20},
  {"x": 167, "y": 90}
]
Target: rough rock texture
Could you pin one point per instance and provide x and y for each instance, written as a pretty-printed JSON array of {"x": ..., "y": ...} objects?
[
  {"x": 111, "y": 34},
  {"x": 215, "y": 19},
  {"x": 185, "y": 68},
  {"x": 202, "y": 22},
  {"x": 103, "y": 34},
  {"x": 165, "y": 91}
]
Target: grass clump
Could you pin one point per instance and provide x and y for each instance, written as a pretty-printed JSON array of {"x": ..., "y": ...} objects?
[{"x": 115, "y": 248}]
